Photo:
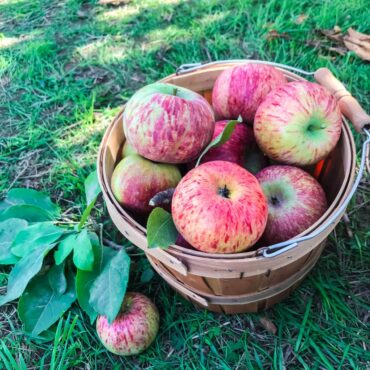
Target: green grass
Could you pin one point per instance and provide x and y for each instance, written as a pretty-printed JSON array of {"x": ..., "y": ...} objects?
[{"x": 65, "y": 69}]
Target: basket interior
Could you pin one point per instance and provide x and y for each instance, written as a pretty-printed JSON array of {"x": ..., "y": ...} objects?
[{"x": 333, "y": 173}]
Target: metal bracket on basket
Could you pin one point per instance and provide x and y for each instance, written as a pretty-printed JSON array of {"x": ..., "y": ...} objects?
[{"x": 279, "y": 248}]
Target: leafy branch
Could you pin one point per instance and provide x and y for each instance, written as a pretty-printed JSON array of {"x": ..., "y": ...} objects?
[{"x": 57, "y": 263}]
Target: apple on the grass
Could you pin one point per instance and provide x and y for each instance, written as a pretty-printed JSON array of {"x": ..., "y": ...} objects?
[
  {"x": 219, "y": 207},
  {"x": 241, "y": 89},
  {"x": 298, "y": 123},
  {"x": 133, "y": 330},
  {"x": 135, "y": 181},
  {"x": 168, "y": 123},
  {"x": 295, "y": 201},
  {"x": 234, "y": 148}
]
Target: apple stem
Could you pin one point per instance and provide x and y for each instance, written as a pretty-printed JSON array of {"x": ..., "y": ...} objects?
[
  {"x": 175, "y": 89},
  {"x": 224, "y": 192}
]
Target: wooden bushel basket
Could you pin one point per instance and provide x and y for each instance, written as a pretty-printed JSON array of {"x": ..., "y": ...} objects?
[{"x": 240, "y": 282}]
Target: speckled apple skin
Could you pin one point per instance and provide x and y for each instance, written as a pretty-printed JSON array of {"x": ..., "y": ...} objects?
[
  {"x": 241, "y": 89},
  {"x": 282, "y": 120},
  {"x": 133, "y": 331},
  {"x": 215, "y": 224},
  {"x": 303, "y": 202},
  {"x": 135, "y": 180},
  {"x": 167, "y": 128},
  {"x": 232, "y": 150}
]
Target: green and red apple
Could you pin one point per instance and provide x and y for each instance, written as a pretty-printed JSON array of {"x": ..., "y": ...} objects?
[
  {"x": 219, "y": 207},
  {"x": 168, "y": 123},
  {"x": 234, "y": 149},
  {"x": 135, "y": 181},
  {"x": 133, "y": 330},
  {"x": 239, "y": 90},
  {"x": 295, "y": 202},
  {"x": 298, "y": 123}
]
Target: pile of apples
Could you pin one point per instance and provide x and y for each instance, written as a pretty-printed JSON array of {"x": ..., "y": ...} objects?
[{"x": 250, "y": 188}]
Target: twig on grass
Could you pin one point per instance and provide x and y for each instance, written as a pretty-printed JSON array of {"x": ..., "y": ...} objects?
[
  {"x": 207, "y": 331},
  {"x": 117, "y": 246},
  {"x": 347, "y": 224}
]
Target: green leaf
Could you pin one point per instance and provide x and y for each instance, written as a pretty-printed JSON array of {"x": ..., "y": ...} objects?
[
  {"x": 86, "y": 215},
  {"x": 23, "y": 271},
  {"x": 80, "y": 243},
  {"x": 40, "y": 233},
  {"x": 85, "y": 279},
  {"x": 65, "y": 247},
  {"x": 83, "y": 255},
  {"x": 30, "y": 197},
  {"x": 40, "y": 306},
  {"x": 108, "y": 290},
  {"x": 92, "y": 187},
  {"x": 26, "y": 212},
  {"x": 8, "y": 230},
  {"x": 161, "y": 231},
  {"x": 220, "y": 139},
  {"x": 57, "y": 279}
]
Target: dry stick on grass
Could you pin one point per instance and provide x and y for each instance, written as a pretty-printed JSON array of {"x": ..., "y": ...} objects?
[
  {"x": 117, "y": 246},
  {"x": 347, "y": 224},
  {"x": 207, "y": 331}
]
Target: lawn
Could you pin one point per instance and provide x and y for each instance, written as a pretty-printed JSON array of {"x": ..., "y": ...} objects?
[{"x": 66, "y": 68}]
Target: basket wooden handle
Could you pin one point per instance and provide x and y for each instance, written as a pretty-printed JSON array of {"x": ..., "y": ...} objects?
[{"x": 348, "y": 105}]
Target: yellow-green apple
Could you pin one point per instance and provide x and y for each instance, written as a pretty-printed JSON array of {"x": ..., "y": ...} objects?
[
  {"x": 136, "y": 180},
  {"x": 234, "y": 148},
  {"x": 298, "y": 123},
  {"x": 219, "y": 207},
  {"x": 241, "y": 89},
  {"x": 295, "y": 201},
  {"x": 168, "y": 123},
  {"x": 127, "y": 149},
  {"x": 133, "y": 330}
]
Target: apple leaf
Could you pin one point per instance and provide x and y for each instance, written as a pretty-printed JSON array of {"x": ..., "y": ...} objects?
[
  {"x": 220, "y": 139},
  {"x": 161, "y": 231},
  {"x": 83, "y": 256},
  {"x": 65, "y": 247},
  {"x": 85, "y": 279},
  {"x": 92, "y": 187},
  {"x": 108, "y": 290},
  {"x": 32, "y": 201},
  {"x": 8, "y": 231},
  {"x": 35, "y": 235},
  {"x": 57, "y": 279},
  {"x": 40, "y": 306},
  {"x": 23, "y": 271},
  {"x": 26, "y": 212}
]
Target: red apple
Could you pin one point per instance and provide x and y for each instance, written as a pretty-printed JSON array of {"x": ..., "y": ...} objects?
[
  {"x": 167, "y": 123},
  {"x": 241, "y": 89},
  {"x": 136, "y": 180},
  {"x": 219, "y": 207},
  {"x": 295, "y": 202},
  {"x": 233, "y": 149},
  {"x": 298, "y": 123},
  {"x": 133, "y": 330}
]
